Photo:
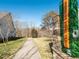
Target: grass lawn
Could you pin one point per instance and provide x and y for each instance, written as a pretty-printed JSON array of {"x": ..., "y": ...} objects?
[
  {"x": 43, "y": 46},
  {"x": 11, "y": 48}
]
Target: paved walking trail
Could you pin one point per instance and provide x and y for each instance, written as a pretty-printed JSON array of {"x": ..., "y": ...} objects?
[{"x": 28, "y": 51}]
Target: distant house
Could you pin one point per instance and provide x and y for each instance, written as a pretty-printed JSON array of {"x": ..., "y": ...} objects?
[{"x": 7, "y": 28}]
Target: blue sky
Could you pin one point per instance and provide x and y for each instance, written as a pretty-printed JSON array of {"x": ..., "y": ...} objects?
[{"x": 29, "y": 10}]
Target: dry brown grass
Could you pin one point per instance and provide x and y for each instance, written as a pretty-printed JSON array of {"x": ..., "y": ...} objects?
[{"x": 43, "y": 47}]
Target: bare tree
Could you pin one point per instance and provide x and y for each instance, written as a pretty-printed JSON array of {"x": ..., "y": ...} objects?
[
  {"x": 17, "y": 25},
  {"x": 50, "y": 22}
]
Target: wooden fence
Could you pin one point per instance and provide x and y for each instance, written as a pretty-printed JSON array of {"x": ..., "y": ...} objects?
[{"x": 57, "y": 52}]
